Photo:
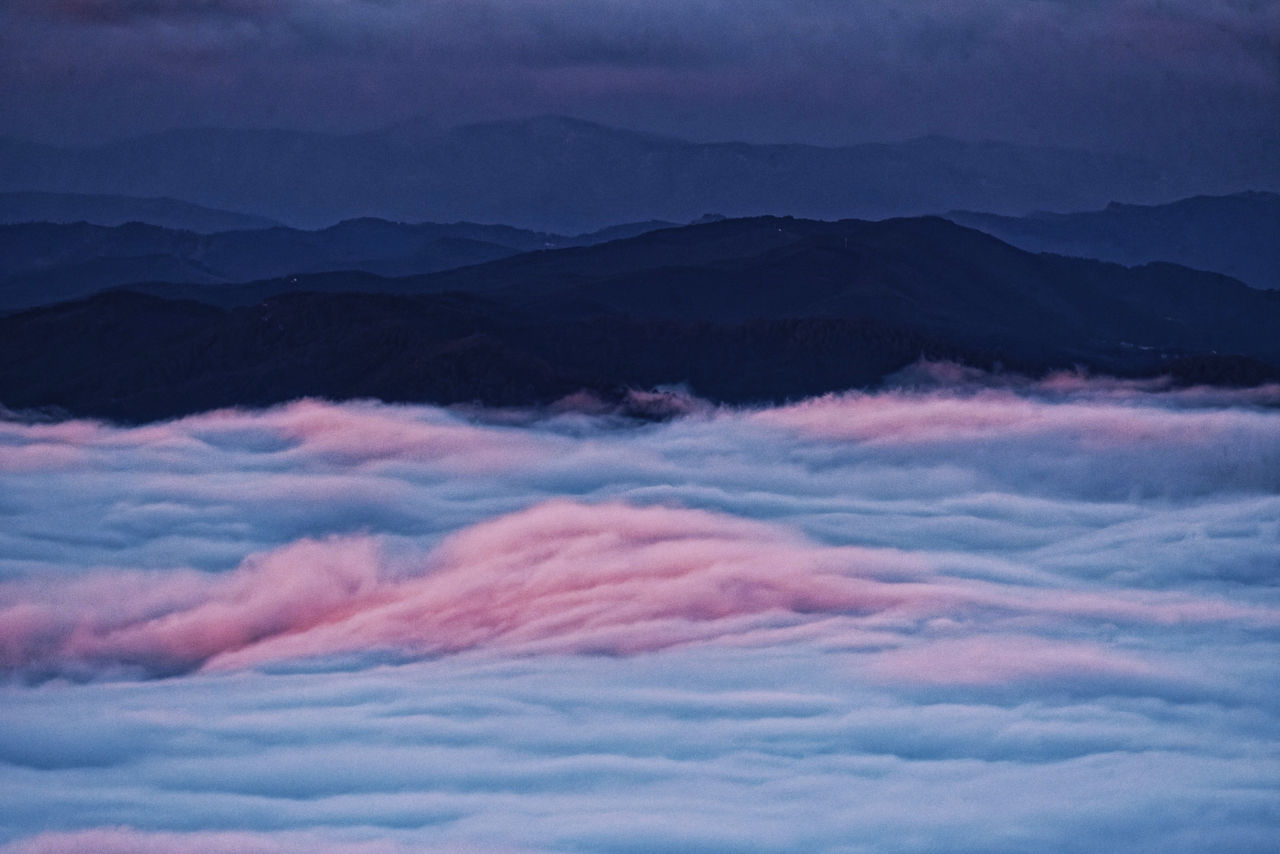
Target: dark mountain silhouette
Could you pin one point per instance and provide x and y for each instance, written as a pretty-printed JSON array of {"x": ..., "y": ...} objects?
[
  {"x": 118, "y": 210},
  {"x": 1238, "y": 235},
  {"x": 43, "y": 263},
  {"x": 924, "y": 273},
  {"x": 566, "y": 175},
  {"x": 741, "y": 310},
  {"x": 133, "y": 357}
]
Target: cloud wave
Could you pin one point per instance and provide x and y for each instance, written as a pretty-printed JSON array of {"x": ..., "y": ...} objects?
[
  {"x": 561, "y": 577},
  {"x": 967, "y": 613}
]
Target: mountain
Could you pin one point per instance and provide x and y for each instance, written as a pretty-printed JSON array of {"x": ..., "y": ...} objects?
[
  {"x": 1237, "y": 235},
  {"x": 565, "y": 175},
  {"x": 741, "y": 310},
  {"x": 118, "y": 210},
  {"x": 136, "y": 358},
  {"x": 43, "y": 263},
  {"x": 925, "y": 273}
]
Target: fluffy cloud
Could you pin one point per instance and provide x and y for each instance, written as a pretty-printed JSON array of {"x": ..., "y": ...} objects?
[
  {"x": 566, "y": 577},
  {"x": 760, "y": 750},
  {"x": 1004, "y": 616}
]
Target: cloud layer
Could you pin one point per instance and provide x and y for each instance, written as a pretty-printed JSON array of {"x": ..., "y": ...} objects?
[
  {"x": 567, "y": 577},
  {"x": 997, "y": 615},
  {"x": 1130, "y": 74}
]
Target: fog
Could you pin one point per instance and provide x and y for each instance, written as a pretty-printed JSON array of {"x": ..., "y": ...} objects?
[{"x": 965, "y": 613}]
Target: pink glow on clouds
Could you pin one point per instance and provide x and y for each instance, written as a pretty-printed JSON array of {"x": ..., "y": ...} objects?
[
  {"x": 177, "y": 619},
  {"x": 41, "y": 456},
  {"x": 561, "y": 577},
  {"x": 907, "y": 418},
  {"x": 353, "y": 434},
  {"x": 567, "y": 577},
  {"x": 45, "y": 447}
]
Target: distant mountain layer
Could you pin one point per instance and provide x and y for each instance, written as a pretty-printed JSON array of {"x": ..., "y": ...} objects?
[
  {"x": 566, "y": 175},
  {"x": 1238, "y": 235},
  {"x": 44, "y": 263},
  {"x": 741, "y": 310},
  {"x": 23, "y": 207}
]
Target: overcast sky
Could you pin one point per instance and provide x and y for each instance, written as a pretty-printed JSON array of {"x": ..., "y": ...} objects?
[{"x": 1141, "y": 75}]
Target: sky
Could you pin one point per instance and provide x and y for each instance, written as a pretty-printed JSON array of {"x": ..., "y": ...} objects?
[
  {"x": 1163, "y": 78},
  {"x": 968, "y": 612}
]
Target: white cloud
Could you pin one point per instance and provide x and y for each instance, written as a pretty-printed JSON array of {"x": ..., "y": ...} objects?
[{"x": 1052, "y": 625}]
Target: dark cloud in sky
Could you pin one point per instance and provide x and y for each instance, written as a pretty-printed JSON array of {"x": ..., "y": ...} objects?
[{"x": 1157, "y": 76}]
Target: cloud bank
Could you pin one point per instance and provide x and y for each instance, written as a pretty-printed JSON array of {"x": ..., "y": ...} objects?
[
  {"x": 567, "y": 577},
  {"x": 988, "y": 614}
]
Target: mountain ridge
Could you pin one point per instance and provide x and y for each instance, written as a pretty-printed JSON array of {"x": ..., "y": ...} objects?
[
  {"x": 114, "y": 210},
  {"x": 43, "y": 263},
  {"x": 740, "y": 310},
  {"x": 569, "y": 176},
  {"x": 1236, "y": 234}
]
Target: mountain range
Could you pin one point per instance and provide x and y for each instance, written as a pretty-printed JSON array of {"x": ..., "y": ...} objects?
[
  {"x": 42, "y": 263},
  {"x": 749, "y": 309},
  {"x": 1238, "y": 235},
  {"x": 27, "y": 207},
  {"x": 567, "y": 175}
]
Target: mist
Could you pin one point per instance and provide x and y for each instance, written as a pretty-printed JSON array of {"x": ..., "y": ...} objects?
[{"x": 968, "y": 612}]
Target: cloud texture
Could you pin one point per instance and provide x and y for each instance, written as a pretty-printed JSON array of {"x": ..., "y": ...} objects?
[
  {"x": 1004, "y": 616},
  {"x": 1135, "y": 75}
]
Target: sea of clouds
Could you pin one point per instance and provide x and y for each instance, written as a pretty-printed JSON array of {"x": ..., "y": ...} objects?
[{"x": 966, "y": 613}]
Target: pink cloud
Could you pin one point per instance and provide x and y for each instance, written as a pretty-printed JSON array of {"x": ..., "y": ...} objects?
[
  {"x": 560, "y": 577},
  {"x": 569, "y": 577},
  {"x": 174, "y": 620},
  {"x": 45, "y": 447},
  {"x": 349, "y": 435},
  {"x": 41, "y": 456},
  {"x": 898, "y": 418},
  {"x": 366, "y": 433}
]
